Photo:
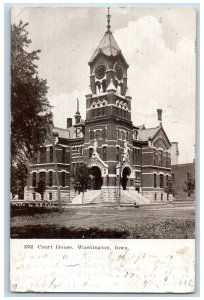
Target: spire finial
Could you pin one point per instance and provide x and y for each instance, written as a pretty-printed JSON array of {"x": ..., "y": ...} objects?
[
  {"x": 108, "y": 17},
  {"x": 77, "y": 105}
]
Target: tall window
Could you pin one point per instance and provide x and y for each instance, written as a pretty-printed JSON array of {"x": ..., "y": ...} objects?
[
  {"x": 118, "y": 134},
  {"x": 34, "y": 179},
  {"x": 154, "y": 157},
  {"x": 42, "y": 176},
  {"x": 91, "y": 135},
  {"x": 155, "y": 180},
  {"x": 90, "y": 152},
  {"x": 43, "y": 155},
  {"x": 104, "y": 153},
  {"x": 104, "y": 133},
  {"x": 166, "y": 159},
  {"x": 50, "y": 178},
  {"x": 123, "y": 135},
  {"x": 117, "y": 153},
  {"x": 161, "y": 180},
  {"x": 167, "y": 180},
  {"x": 63, "y": 154},
  {"x": 63, "y": 179},
  {"x": 160, "y": 157},
  {"x": 51, "y": 154}
]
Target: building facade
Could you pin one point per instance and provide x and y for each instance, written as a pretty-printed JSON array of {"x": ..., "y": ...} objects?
[{"x": 119, "y": 153}]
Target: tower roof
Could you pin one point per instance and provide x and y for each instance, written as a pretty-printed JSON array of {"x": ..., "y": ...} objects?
[{"x": 108, "y": 45}]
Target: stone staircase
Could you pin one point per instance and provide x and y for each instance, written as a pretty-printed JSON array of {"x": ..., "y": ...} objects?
[
  {"x": 89, "y": 197},
  {"x": 132, "y": 197},
  {"x": 127, "y": 197}
]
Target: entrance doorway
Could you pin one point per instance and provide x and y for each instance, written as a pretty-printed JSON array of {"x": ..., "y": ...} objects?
[
  {"x": 97, "y": 179},
  {"x": 124, "y": 179}
]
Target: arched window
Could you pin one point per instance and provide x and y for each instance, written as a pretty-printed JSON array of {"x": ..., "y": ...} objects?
[{"x": 90, "y": 152}]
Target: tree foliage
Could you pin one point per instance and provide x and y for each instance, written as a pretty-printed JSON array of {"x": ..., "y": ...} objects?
[
  {"x": 189, "y": 187},
  {"x": 40, "y": 188},
  {"x": 170, "y": 187},
  {"x": 31, "y": 115},
  {"x": 81, "y": 178}
]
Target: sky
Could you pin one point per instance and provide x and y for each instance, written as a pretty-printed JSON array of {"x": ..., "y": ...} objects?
[{"x": 158, "y": 44}]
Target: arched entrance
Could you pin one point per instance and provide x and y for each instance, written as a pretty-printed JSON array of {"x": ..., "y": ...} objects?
[
  {"x": 97, "y": 179},
  {"x": 126, "y": 172}
]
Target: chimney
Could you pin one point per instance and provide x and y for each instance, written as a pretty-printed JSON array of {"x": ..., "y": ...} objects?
[
  {"x": 69, "y": 122},
  {"x": 159, "y": 115}
]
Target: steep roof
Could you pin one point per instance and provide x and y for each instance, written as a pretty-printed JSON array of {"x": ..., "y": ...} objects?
[
  {"x": 65, "y": 133},
  {"x": 107, "y": 46},
  {"x": 147, "y": 133}
]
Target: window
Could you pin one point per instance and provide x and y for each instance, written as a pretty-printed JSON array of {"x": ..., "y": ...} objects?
[
  {"x": 34, "y": 196},
  {"x": 63, "y": 154},
  {"x": 118, "y": 134},
  {"x": 50, "y": 196},
  {"x": 42, "y": 176},
  {"x": 154, "y": 158},
  {"x": 155, "y": 197},
  {"x": 104, "y": 153},
  {"x": 43, "y": 155},
  {"x": 91, "y": 135},
  {"x": 50, "y": 178},
  {"x": 161, "y": 197},
  {"x": 167, "y": 180},
  {"x": 160, "y": 157},
  {"x": 155, "y": 180},
  {"x": 126, "y": 135},
  {"x": 103, "y": 110},
  {"x": 117, "y": 153},
  {"x": 63, "y": 179},
  {"x": 133, "y": 156},
  {"x": 135, "y": 134},
  {"x": 98, "y": 134},
  {"x": 166, "y": 159},
  {"x": 34, "y": 179},
  {"x": 104, "y": 133},
  {"x": 90, "y": 152},
  {"x": 51, "y": 154},
  {"x": 123, "y": 135},
  {"x": 161, "y": 180},
  {"x": 93, "y": 113},
  {"x": 81, "y": 150}
]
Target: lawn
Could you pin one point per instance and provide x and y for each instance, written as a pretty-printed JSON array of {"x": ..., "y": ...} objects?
[{"x": 157, "y": 221}]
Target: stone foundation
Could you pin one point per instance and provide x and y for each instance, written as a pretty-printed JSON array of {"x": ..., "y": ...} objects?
[
  {"x": 108, "y": 194},
  {"x": 157, "y": 196}
]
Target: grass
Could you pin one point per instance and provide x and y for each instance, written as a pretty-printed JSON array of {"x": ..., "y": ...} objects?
[
  {"x": 169, "y": 229},
  {"x": 168, "y": 221}
]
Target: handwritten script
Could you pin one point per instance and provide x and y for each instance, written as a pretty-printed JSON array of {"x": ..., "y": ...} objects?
[{"x": 102, "y": 266}]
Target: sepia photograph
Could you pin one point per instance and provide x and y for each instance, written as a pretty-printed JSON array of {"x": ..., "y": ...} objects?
[
  {"x": 102, "y": 123},
  {"x": 103, "y": 113}
]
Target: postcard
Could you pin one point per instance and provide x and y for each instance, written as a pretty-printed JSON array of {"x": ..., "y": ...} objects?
[{"x": 102, "y": 191}]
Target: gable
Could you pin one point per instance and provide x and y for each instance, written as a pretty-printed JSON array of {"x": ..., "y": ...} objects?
[{"x": 160, "y": 140}]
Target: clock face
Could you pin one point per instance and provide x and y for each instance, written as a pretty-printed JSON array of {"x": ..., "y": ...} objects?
[
  {"x": 119, "y": 72},
  {"x": 100, "y": 71}
]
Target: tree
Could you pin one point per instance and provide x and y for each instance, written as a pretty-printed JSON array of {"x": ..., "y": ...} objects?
[
  {"x": 40, "y": 188},
  {"x": 82, "y": 179},
  {"x": 31, "y": 116},
  {"x": 189, "y": 187},
  {"x": 170, "y": 187}
]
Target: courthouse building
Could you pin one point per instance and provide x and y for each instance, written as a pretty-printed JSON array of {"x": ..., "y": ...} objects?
[{"x": 118, "y": 151}]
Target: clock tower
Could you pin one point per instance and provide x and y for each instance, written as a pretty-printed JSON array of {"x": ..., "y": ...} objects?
[{"x": 108, "y": 125}]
